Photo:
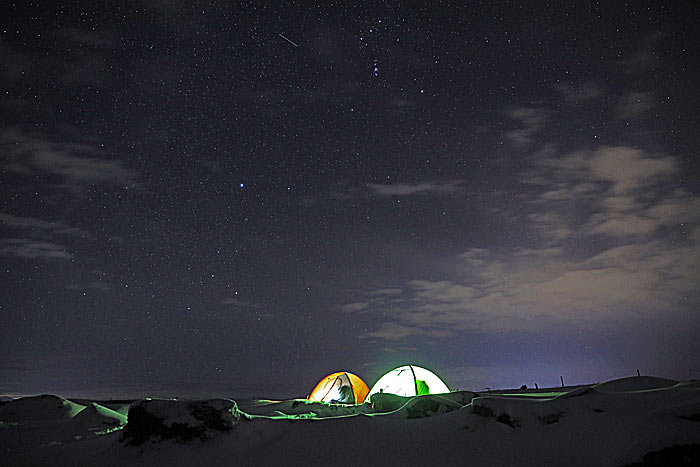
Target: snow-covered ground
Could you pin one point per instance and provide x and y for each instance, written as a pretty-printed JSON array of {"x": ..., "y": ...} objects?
[{"x": 614, "y": 423}]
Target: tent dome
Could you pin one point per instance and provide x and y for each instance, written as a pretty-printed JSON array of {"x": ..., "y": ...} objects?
[
  {"x": 409, "y": 380},
  {"x": 341, "y": 387}
]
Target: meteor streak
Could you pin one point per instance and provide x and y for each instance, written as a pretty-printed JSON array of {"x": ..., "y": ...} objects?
[{"x": 288, "y": 40}]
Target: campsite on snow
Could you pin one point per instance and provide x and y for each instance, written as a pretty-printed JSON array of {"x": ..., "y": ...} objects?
[
  {"x": 229, "y": 228},
  {"x": 408, "y": 417}
]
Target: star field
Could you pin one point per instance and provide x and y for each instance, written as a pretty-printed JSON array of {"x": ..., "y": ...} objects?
[{"x": 237, "y": 199}]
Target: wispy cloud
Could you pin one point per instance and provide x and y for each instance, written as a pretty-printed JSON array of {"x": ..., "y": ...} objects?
[
  {"x": 32, "y": 154},
  {"x": 354, "y": 307},
  {"x": 96, "y": 284},
  {"x": 627, "y": 189},
  {"x": 407, "y": 189},
  {"x": 576, "y": 94},
  {"x": 37, "y": 239},
  {"x": 634, "y": 105},
  {"x": 390, "y": 291},
  {"x": 617, "y": 241},
  {"x": 240, "y": 303},
  {"x": 530, "y": 121},
  {"x": 395, "y": 331},
  {"x": 244, "y": 307},
  {"x": 33, "y": 223},
  {"x": 27, "y": 248}
]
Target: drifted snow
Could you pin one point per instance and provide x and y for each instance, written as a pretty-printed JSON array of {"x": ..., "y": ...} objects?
[
  {"x": 635, "y": 383},
  {"x": 614, "y": 423},
  {"x": 180, "y": 421}
]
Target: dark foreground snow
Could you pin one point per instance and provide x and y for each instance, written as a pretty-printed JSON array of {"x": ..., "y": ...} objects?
[{"x": 614, "y": 423}]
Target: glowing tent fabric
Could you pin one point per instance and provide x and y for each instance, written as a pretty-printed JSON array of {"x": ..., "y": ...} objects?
[
  {"x": 341, "y": 387},
  {"x": 409, "y": 380}
]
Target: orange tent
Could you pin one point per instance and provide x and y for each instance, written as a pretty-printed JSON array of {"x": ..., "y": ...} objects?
[{"x": 341, "y": 387}]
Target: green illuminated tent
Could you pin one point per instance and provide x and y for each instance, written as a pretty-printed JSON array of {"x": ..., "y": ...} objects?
[{"x": 407, "y": 381}]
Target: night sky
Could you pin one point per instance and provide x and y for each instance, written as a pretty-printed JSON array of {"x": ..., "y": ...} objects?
[{"x": 235, "y": 200}]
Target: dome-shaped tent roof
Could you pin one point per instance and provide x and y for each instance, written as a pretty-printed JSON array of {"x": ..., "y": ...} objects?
[
  {"x": 342, "y": 387},
  {"x": 409, "y": 380}
]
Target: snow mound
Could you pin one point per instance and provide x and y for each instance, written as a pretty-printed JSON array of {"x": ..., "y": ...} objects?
[
  {"x": 587, "y": 426},
  {"x": 382, "y": 403},
  {"x": 515, "y": 412},
  {"x": 118, "y": 415},
  {"x": 689, "y": 384},
  {"x": 685, "y": 454},
  {"x": 36, "y": 422},
  {"x": 302, "y": 409},
  {"x": 578, "y": 392},
  {"x": 37, "y": 408},
  {"x": 181, "y": 421},
  {"x": 420, "y": 406},
  {"x": 96, "y": 418},
  {"x": 635, "y": 383}
]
